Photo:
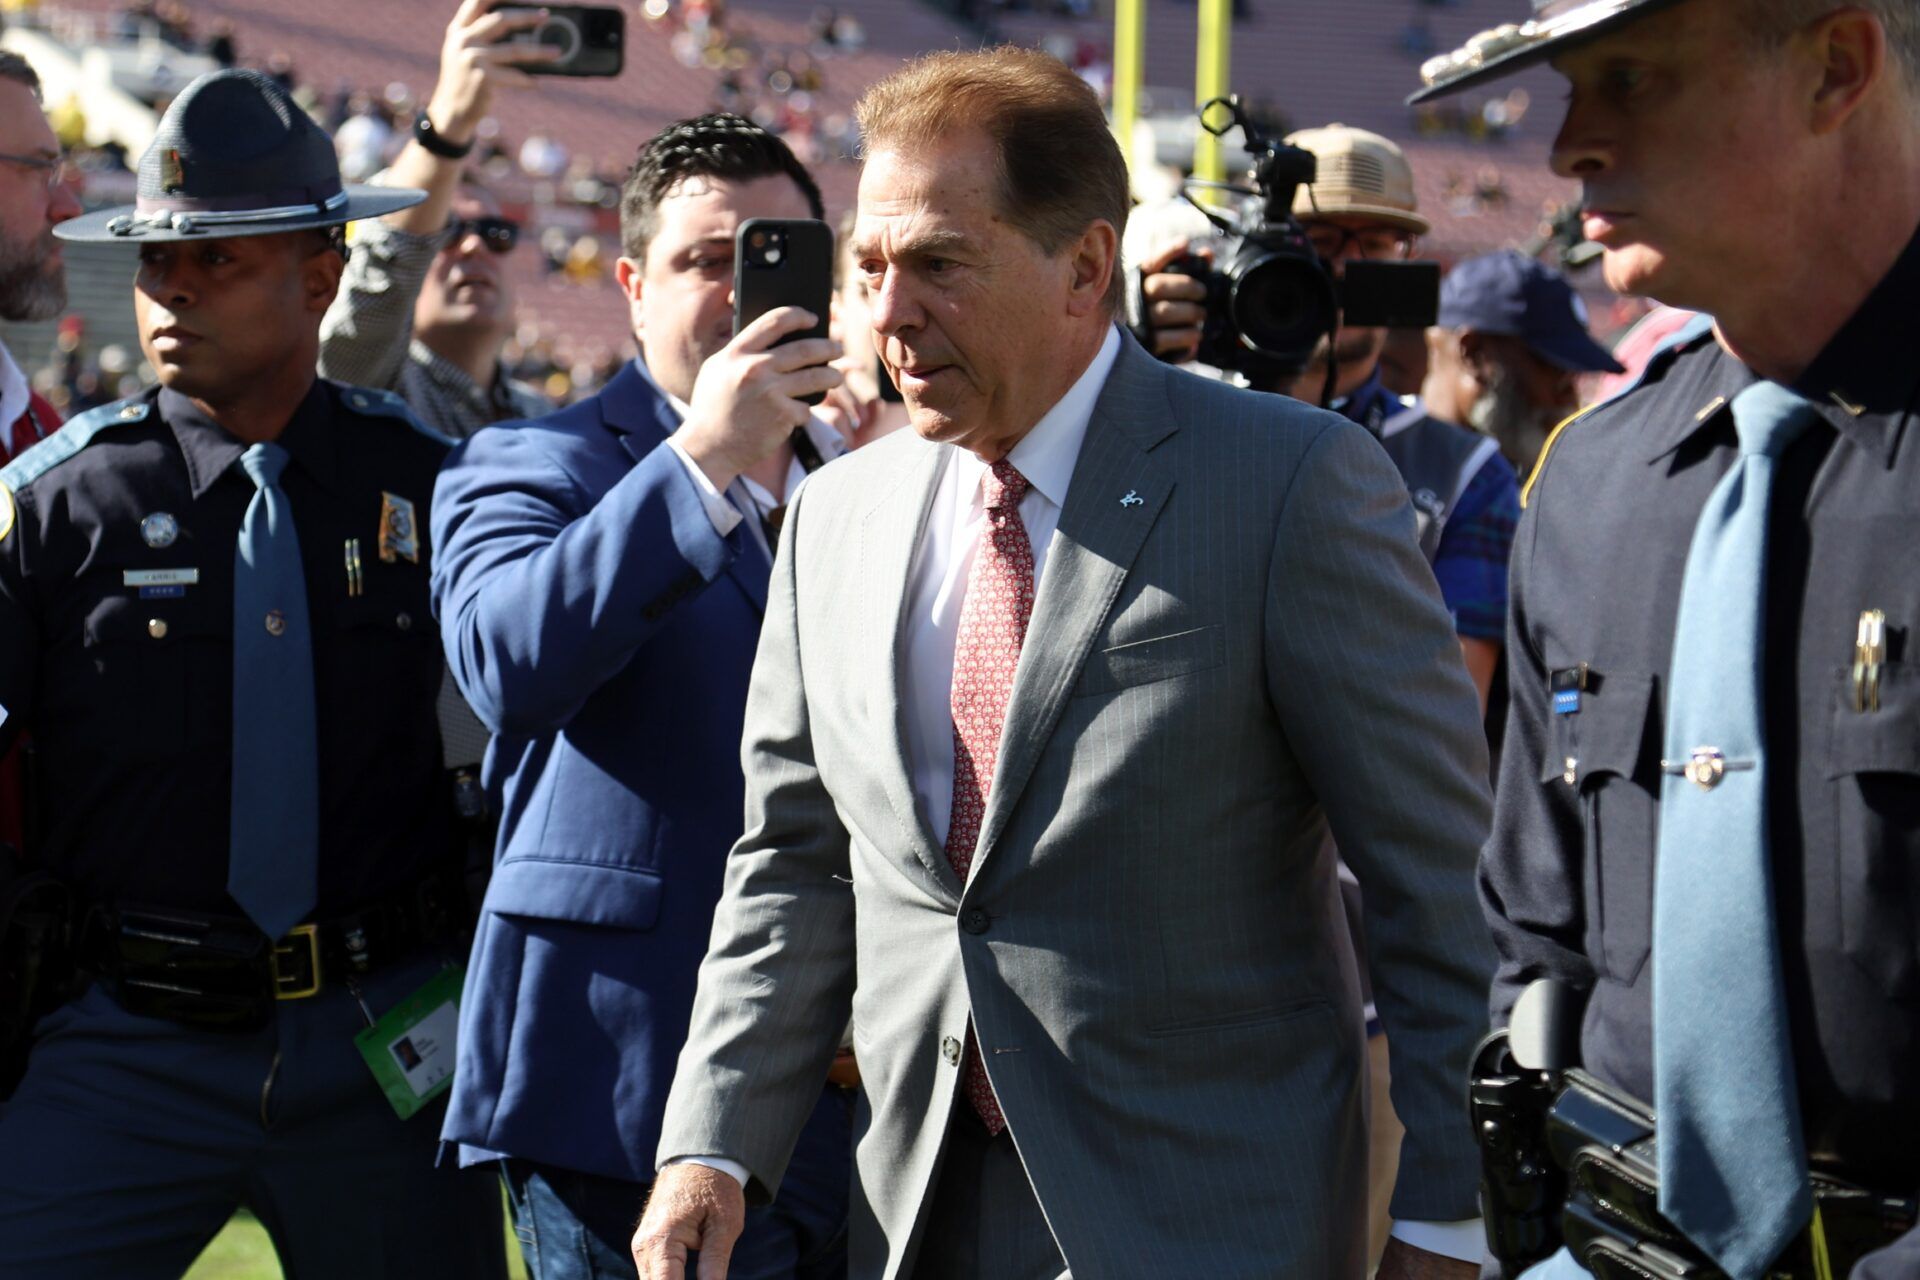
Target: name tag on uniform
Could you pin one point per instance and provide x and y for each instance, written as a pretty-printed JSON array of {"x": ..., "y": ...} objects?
[
  {"x": 160, "y": 577},
  {"x": 410, "y": 1050},
  {"x": 1567, "y": 684}
]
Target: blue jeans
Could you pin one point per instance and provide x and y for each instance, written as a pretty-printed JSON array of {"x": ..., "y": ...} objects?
[
  {"x": 579, "y": 1226},
  {"x": 132, "y": 1140}
]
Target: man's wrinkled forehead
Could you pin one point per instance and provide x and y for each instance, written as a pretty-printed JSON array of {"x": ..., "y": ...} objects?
[{"x": 1664, "y": 31}]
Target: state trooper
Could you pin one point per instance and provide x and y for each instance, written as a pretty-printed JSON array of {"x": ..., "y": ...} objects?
[
  {"x": 1707, "y": 830},
  {"x": 215, "y": 626}
]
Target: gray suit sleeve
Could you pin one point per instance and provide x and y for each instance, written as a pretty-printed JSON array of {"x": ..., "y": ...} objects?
[
  {"x": 776, "y": 987},
  {"x": 1365, "y": 674}
]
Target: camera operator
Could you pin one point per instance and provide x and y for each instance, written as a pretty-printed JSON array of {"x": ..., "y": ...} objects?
[
  {"x": 425, "y": 304},
  {"x": 601, "y": 576},
  {"x": 1507, "y": 352},
  {"x": 1361, "y": 205}
]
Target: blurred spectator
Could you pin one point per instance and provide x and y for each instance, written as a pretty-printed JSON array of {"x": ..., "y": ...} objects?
[
  {"x": 425, "y": 304},
  {"x": 363, "y": 139},
  {"x": 1505, "y": 357}
]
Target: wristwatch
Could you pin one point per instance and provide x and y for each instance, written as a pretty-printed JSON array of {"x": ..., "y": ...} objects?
[{"x": 423, "y": 133}]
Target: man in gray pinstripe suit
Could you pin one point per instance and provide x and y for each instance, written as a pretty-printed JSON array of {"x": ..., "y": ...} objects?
[{"x": 1054, "y": 696}]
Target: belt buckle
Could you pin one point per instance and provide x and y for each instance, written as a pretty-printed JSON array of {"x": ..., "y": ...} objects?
[{"x": 296, "y": 985}]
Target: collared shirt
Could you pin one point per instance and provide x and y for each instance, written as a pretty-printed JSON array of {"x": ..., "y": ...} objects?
[
  {"x": 127, "y": 686},
  {"x": 367, "y": 339},
  {"x": 14, "y": 396},
  {"x": 937, "y": 583},
  {"x": 746, "y": 495},
  {"x": 1598, "y": 564}
]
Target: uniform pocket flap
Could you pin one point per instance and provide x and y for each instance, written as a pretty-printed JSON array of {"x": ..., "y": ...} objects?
[
  {"x": 1160, "y": 658},
  {"x": 1608, "y": 734},
  {"x": 578, "y": 892},
  {"x": 128, "y": 620},
  {"x": 1882, "y": 741}
]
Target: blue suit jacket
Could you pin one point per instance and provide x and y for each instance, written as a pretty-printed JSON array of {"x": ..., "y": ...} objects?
[{"x": 604, "y": 632}]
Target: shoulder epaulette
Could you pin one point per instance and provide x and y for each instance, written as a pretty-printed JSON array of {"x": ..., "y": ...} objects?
[
  {"x": 1685, "y": 338},
  {"x": 71, "y": 439},
  {"x": 376, "y": 403}
]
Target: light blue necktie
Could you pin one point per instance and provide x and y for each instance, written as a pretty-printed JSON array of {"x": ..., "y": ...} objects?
[
  {"x": 274, "y": 845},
  {"x": 1733, "y": 1163}
]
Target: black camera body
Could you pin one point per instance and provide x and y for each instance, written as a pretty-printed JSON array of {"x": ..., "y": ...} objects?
[{"x": 1270, "y": 297}]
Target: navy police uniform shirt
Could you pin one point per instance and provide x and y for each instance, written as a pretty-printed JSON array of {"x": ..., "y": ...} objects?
[
  {"x": 1568, "y": 876},
  {"x": 116, "y": 651}
]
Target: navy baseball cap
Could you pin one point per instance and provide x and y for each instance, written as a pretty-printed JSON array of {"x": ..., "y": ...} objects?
[{"x": 1509, "y": 293}]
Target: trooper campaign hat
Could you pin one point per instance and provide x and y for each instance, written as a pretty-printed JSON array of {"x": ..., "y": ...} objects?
[
  {"x": 234, "y": 156},
  {"x": 1555, "y": 26}
]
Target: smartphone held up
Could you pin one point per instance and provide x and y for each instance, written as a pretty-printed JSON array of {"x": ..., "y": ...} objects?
[
  {"x": 591, "y": 39},
  {"x": 783, "y": 262}
]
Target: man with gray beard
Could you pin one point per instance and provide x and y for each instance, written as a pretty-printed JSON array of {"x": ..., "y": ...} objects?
[
  {"x": 34, "y": 197},
  {"x": 1507, "y": 353}
]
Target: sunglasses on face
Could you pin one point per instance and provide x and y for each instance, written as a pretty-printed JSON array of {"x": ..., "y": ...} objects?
[{"x": 498, "y": 234}]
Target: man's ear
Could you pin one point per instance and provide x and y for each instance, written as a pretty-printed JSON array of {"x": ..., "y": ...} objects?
[
  {"x": 1093, "y": 260},
  {"x": 320, "y": 278},
  {"x": 628, "y": 274},
  {"x": 1851, "y": 45}
]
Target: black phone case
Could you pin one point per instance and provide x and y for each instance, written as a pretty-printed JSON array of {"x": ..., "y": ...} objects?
[
  {"x": 603, "y": 50},
  {"x": 802, "y": 278}
]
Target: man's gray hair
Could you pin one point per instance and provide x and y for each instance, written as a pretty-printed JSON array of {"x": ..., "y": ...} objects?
[
  {"x": 1775, "y": 20},
  {"x": 16, "y": 68}
]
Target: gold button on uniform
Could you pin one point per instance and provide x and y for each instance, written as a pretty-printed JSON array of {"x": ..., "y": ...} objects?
[
  {"x": 276, "y": 622},
  {"x": 157, "y": 628}
]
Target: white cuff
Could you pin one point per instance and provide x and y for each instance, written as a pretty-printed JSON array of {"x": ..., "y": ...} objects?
[
  {"x": 1465, "y": 1240},
  {"x": 733, "y": 1168},
  {"x": 725, "y": 516}
]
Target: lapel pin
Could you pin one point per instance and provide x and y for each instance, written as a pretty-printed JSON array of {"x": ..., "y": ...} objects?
[{"x": 1132, "y": 499}]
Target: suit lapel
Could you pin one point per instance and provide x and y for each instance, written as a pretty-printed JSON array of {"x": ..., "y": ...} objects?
[
  {"x": 638, "y": 411},
  {"x": 1115, "y": 496},
  {"x": 890, "y": 535}
]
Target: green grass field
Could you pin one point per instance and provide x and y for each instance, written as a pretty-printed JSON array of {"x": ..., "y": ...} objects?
[{"x": 242, "y": 1252}]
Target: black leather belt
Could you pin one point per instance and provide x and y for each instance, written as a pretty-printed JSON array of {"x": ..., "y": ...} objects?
[{"x": 222, "y": 973}]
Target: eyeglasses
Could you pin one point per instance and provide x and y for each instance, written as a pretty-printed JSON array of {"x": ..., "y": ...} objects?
[
  {"x": 1377, "y": 243},
  {"x": 498, "y": 234},
  {"x": 55, "y": 167}
]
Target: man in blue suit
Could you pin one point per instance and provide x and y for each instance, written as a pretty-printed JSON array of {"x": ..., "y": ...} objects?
[{"x": 600, "y": 576}]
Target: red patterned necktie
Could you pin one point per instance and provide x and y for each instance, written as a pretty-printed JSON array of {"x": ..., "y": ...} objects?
[{"x": 993, "y": 623}]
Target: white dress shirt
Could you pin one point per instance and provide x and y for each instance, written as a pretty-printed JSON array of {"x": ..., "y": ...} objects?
[
  {"x": 14, "y": 397},
  {"x": 936, "y": 589},
  {"x": 745, "y": 494}
]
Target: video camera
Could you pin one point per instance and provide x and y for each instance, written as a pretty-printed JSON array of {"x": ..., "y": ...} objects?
[{"x": 1270, "y": 297}]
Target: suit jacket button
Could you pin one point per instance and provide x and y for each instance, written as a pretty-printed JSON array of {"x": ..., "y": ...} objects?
[
  {"x": 975, "y": 920},
  {"x": 950, "y": 1050}
]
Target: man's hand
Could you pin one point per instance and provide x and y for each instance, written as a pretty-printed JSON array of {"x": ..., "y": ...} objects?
[
  {"x": 693, "y": 1209},
  {"x": 746, "y": 401},
  {"x": 1401, "y": 1261},
  {"x": 473, "y": 63},
  {"x": 1175, "y": 303}
]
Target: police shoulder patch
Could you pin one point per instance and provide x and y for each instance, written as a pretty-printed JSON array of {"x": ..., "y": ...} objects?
[
  {"x": 70, "y": 440},
  {"x": 376, "y": 403}
]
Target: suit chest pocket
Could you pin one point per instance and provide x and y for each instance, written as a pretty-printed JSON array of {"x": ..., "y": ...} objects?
[
  {"x": 1873, "y": 767},
  {"x": 1147, "y": 661},
  {"x": 1603, "y": 751}
]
